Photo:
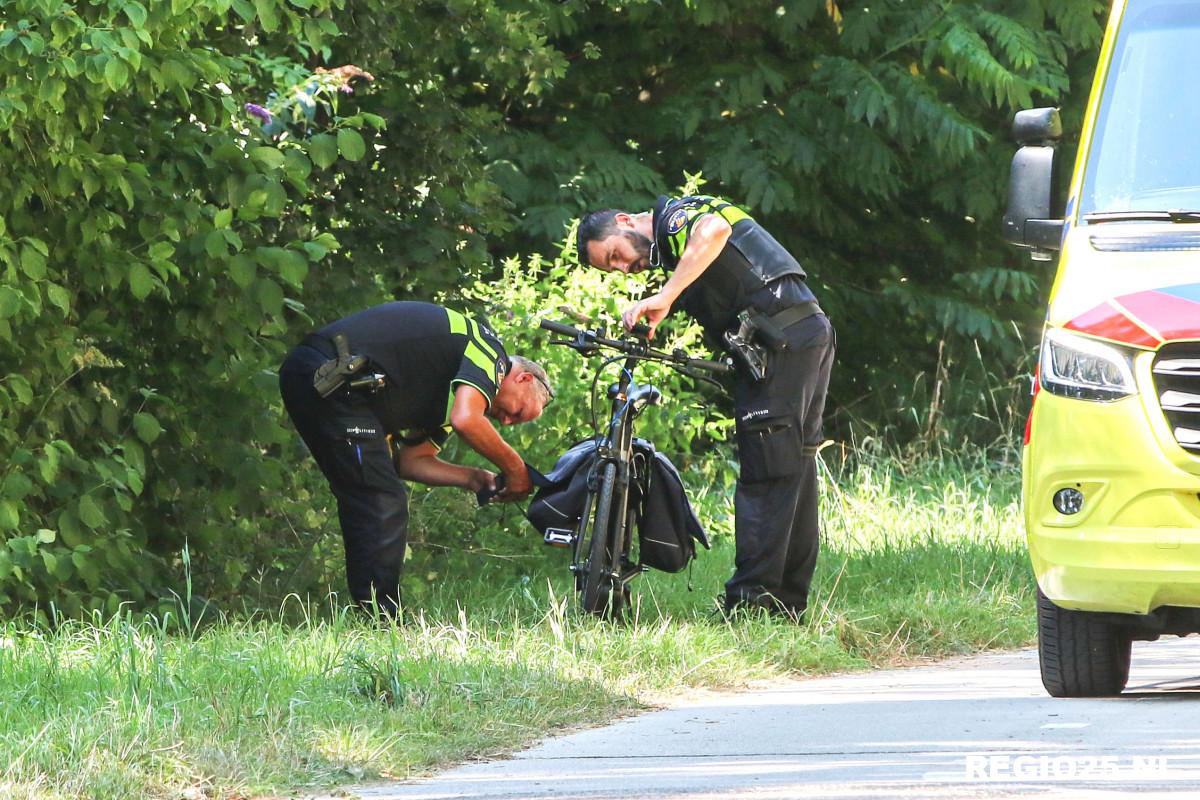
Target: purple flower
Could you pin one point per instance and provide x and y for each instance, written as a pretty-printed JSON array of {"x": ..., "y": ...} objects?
[
  {"x": 346, "y": 88},
  {"x": 258, "y": 111}
]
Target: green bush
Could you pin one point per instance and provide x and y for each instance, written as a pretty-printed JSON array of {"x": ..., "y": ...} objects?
[{"x": 151, "y": 242}]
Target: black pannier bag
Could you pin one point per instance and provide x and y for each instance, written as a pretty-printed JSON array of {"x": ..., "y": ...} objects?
[{"x": 667, "y": 527}]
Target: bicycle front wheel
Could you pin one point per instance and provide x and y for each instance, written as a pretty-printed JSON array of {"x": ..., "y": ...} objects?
[{"x": 598, "y": 594}]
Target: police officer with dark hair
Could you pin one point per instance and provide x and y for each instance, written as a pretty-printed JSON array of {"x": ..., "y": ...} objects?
[
  {"x": 748, "y": 293},
  {"x": 376, "y": 395}
]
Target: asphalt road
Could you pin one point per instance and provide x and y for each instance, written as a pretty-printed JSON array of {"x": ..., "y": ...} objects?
[{"x": 981, "y": 727}]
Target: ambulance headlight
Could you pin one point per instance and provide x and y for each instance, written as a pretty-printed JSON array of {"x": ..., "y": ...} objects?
[{"x": 1075, "y": 366}]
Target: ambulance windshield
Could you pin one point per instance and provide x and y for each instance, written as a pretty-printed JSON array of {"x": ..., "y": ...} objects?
[{"x": 1145, "y": 152}]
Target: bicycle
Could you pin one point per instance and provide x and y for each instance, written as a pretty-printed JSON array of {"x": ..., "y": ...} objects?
[{"x": 601, "y": 543}]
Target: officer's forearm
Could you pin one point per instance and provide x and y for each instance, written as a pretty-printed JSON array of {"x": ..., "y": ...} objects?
[
  {"x": 432, "y": 471},
  {"x": 477, "y": 432}
]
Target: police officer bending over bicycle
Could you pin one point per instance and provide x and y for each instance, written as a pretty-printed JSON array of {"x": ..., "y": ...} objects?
[
  {"x": 375, "y": 395},
  {"x": 747, "y": 292}
]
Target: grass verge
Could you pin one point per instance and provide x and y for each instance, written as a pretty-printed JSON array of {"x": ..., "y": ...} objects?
[{"x": 917, "y": 562}]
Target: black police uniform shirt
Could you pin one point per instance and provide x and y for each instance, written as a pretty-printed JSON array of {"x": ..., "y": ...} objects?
[
  {"x": 427, "y": 352},
  {"x": 673, "y": 222}
]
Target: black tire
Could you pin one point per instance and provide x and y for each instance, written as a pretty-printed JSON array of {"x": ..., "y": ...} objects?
[
  {"x": 598, "y": 597},
  {"x": 1080, "y": 654}
]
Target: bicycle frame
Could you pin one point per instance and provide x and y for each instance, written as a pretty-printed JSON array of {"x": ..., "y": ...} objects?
[
  {"x": 615, "y": 449},
  {"x": 600, "y": 550}
]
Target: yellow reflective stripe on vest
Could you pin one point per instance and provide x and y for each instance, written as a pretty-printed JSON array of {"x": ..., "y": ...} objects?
[
  {"x": 722, "y": 208},
  {"x": 731, "y": 213},
  {"x": 458, "y": 323},
  {"x": 476, "y": 337},
  {"x": 482, "y": 354},
  {"x": 480, "y": 359}
]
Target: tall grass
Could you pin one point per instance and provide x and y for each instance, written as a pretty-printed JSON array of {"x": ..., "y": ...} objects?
[{"x": 920, "y": 559}]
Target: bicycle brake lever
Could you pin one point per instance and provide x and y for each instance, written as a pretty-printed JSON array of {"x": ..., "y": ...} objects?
[{"x": 582, "y": 348}]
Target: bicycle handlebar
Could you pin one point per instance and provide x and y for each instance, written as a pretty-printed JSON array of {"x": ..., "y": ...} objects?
[
  {"x": 558, "y": 327},
  {"x": 584, "y": 340},
  {"x": 711, "y": 366}
]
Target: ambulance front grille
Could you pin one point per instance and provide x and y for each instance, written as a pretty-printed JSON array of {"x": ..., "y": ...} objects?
[{"x": 1177, "y": 381}]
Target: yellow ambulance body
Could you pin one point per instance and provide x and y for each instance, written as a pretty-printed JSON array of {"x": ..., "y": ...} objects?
[{"x": 1111, "y": 479}]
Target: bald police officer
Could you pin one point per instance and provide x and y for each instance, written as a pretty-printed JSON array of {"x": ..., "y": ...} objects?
[
  {"x": 420, "y": 372},
  {"x": 726, "y": 271}
]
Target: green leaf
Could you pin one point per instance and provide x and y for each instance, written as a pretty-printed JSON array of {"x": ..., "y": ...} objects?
[
  {"x": 141, "y": 282},
  {"x": 85, "y": 564},
  {"x": 17, "y": 487},
  {"x": 116, "y": 74},
  {"x": 243, "y": 270},
  {"x": 59, "y": 297},
  {"x": 46, "y": 536},
  {"x": 90, "y": 513},
  {"x": 244, "y": 10},
  {"x": 293, "y": 268},
  {"x": 270, "y": 296},
  {"x": 296, "y": 165},
  {"x": 21, "y": 388},
  {"x": 177, "y": 73},
  {"x": 10, "y": 302},
  {"x": 134, "y": 479},
  {"x": 161, "y": 250},
  {"x": 48, "y": 464},
  {"x": 33, "y": 263},
  {"x": 146, "y": 427},
  {"x": 222, "y": 218},
  {"x": 323, "y": 150},
  {"x": 327, "y": 240},
  {"x": 68, "y": 528},
  {"x": 351, "y": 145},
  {"x": 268, "y": 157},
  {"x": 215, "y": 245},
  {"x": 315, "y": 251},
  {"x": 10, "y": 516},
  {"x": 276, "y": 199},
  {"x": 267, "y": 14},
  {"x": 136, "y": 13}
]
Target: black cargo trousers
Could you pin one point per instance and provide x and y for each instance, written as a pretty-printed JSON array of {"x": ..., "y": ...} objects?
[
  {"x": 777, "y": 526},
  {"x": 350, "y": 446}
]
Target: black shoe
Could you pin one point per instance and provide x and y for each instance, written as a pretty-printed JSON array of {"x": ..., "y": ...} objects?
[
  {"x": 764, "y": 602},
  {"x": 746, "y": 604}
]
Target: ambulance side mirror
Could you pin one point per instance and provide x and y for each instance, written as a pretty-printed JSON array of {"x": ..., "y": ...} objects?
[{"x": 1028, "y": 221}]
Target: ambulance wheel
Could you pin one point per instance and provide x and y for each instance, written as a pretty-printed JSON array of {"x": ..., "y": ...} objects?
[{"x": 1080, "y": 653}]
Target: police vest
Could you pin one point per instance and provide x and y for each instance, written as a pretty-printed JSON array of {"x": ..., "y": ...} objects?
[{"x": 750, "y": 260}]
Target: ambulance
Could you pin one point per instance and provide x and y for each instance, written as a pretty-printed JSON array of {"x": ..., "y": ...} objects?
[{"x": 1111, "y": 462}]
